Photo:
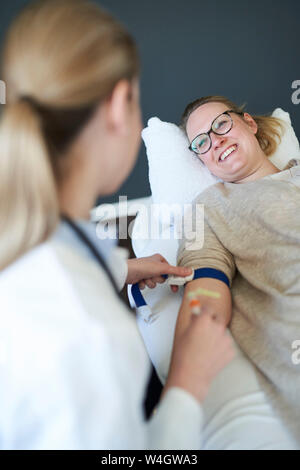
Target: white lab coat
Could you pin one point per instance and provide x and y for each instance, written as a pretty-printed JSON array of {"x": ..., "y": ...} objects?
[{"x": 73, "y": 367}]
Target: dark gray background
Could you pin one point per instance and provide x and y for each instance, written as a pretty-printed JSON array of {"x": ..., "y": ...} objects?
[{"x": 247, "y": 50}]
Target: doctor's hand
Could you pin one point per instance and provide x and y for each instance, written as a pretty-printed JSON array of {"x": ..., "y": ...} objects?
[
  {"x": 200, "y": 352},
  {"x": 148, "y": 271}
]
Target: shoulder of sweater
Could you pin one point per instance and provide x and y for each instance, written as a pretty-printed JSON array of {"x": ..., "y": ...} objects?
[
  {"x": 214, "y": 193},
  {"x": 223, "y": 190}
]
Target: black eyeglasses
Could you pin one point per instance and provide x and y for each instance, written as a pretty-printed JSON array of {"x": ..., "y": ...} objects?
[{"x": 221, "y": 125}]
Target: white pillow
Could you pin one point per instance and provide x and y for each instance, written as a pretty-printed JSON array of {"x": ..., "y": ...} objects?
[
  {"x": 178, "y": 176},
  {"x": 289, "y": 145}
]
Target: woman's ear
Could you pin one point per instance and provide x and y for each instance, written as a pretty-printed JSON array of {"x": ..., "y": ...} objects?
[
  {"x": 117, "y": 107},
  {"x": 251, "y": 122}
]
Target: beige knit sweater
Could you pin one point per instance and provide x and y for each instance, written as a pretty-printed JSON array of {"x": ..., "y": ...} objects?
[{"x": 252, "y": 234}]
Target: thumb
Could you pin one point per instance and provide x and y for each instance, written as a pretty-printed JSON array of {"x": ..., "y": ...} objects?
[{"x": 178, "y": 271}]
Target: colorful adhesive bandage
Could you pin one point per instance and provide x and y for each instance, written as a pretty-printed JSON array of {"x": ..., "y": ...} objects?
[
  {"x": 207, "y": 293},
  {"x": 195, "y": 306}
]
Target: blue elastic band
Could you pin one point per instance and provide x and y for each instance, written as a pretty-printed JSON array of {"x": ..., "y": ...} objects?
[
  {"x": 212, "y": 273},
  {"x": 198, "y": 273},
  {"x": 137, "y": 296}
]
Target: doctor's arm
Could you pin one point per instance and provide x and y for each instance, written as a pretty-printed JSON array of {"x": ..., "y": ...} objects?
[{"x": 202, "y": 348}]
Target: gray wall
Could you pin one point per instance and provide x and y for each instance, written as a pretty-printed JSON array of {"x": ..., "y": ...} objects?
[{"x": 248, "y": 50}]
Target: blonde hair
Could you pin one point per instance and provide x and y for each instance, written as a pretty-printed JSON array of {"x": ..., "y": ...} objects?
[
  {"x": 269, "y": 129},
  {"x": 60, "y": 59}
]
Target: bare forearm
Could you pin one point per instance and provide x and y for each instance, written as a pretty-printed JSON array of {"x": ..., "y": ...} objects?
[
  {"x": 200, "y": 336},
  {"x": 219, "y": 308}
]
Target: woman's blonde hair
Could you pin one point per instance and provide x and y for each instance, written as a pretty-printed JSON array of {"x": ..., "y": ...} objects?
[
  {"x": 269, "y": 129},
  {"x": 60, "y": 59}
]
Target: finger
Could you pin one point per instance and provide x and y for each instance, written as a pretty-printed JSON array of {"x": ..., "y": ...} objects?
[
  {"x": 158, "y": 279},
  {"x": 150, "y": 283},
  {"x": 142, "y": 285},
  {"x": 174, "y": 288},
  {"x": 178, "y": 271}
]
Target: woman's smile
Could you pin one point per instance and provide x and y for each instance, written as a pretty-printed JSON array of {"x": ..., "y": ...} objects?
[{"x": 227, "y": 153}]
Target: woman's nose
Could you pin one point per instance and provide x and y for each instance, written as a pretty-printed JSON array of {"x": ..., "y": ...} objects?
[{"x": 217, "y": 140}]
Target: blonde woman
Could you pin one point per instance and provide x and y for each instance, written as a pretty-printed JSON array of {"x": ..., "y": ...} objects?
[
  {"x": 73, "y": 367},
  {"x": 250, "y": 253}
]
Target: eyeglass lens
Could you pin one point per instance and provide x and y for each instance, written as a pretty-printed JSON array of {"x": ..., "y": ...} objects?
[{"x": 221, "y": 125}]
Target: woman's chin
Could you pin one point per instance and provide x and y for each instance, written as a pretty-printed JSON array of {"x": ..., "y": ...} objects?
[{"x": 233, "y": 177}]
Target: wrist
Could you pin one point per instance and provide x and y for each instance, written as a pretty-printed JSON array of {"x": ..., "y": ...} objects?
[
  {"x": 128, "y": 272},
  {"x": 132, "y": 277},
  {"x": 199, "y": 391}
]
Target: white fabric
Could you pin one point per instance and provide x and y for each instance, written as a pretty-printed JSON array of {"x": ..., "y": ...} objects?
[
  {"x": 119, "y": 266},
  {"x": 289, "y": 144},
  {"x": 174, "y": 425},
  {"x": 73, "y": 368},
  {"x": 178, "y": 176},
  {"x": 107, "y": 248}
]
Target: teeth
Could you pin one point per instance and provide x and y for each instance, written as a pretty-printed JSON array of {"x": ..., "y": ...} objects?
[{"x": 228, "y": 152}]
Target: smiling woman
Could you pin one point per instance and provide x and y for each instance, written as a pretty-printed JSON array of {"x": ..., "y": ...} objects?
[
  {"x": 252, "y": 237},
  {"x": 217, "y": 129}
]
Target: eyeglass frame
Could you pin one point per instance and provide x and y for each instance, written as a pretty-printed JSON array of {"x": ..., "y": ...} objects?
[{"x": 211, "y": 130}]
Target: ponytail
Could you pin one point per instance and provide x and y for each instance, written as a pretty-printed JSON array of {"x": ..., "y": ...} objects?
[
  {"x": 28, "y": 196},
  {"x": 269, "y": 133},
  {"x": 60, "y": 60}
]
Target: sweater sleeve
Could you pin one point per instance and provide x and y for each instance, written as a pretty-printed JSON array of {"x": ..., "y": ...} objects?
[
  {"x": 203, "y": 247},
  {"x": 177, "y": 422}
]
